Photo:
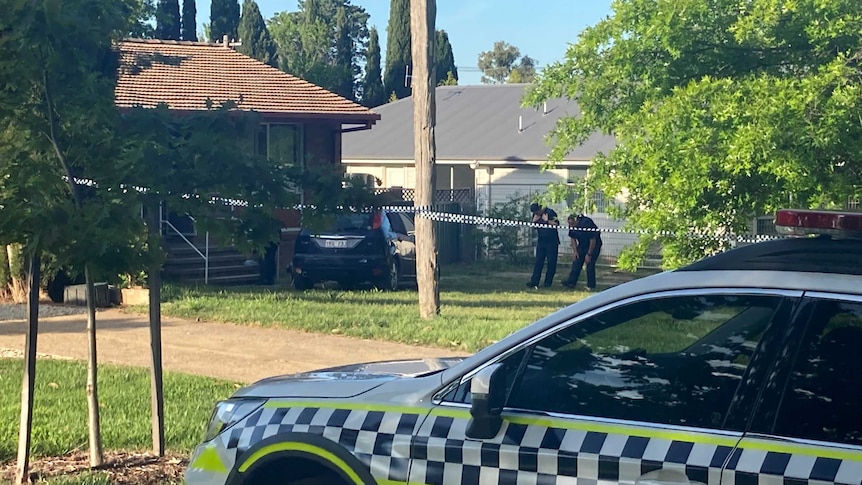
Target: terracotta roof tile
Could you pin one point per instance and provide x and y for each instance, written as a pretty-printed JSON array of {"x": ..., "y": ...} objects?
[{"x": 184, "y": 75}]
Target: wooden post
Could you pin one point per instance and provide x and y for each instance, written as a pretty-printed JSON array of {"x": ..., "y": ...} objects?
[
  {"x": 154, "y": 279},
  {"x": 422, "y": 31},
  {"x": 28, "y": 383}
]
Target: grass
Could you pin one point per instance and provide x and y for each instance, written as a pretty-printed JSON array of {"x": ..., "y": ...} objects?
[
  {"x": 480, "y": 304},
  {"x": 60, "y": 409}
]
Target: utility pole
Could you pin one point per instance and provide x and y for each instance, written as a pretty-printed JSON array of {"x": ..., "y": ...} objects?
[{"x": 422, "y": 32}]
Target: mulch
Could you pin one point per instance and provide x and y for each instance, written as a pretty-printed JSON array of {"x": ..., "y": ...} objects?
[{"x": 123, "y": 468}]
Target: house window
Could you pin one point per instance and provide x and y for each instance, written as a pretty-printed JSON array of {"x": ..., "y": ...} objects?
[{"x": 281, "y": 143}]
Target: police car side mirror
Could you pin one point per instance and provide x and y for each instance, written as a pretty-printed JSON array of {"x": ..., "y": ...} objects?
[{"x": 487, "y": 389}]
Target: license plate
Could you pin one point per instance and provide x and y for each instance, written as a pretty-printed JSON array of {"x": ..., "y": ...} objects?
[{"x": 335, "y": 243}]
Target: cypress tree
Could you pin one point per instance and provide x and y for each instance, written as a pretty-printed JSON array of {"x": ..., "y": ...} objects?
[
  {"x": 189, "y": 23},
  {"x": 398, "y": 56},
  {"x": 372, "y": 88},
  {"x": 343, "y": 55},
  {"x": 444, "y": 58},
  {"x": 254, "y": 36},
  {"x": 224, "y": 19},
  {"x": 168, "y": 20}
]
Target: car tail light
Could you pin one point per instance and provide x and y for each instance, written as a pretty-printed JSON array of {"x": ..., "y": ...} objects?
[
  {"x": 795, "y": 222},
  {"x": 376, "y": 220}
]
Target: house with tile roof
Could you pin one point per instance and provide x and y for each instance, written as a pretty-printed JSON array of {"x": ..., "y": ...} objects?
[{"x": 301, "y": 123}]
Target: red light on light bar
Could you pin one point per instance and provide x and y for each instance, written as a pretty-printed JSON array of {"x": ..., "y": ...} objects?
[{"x": 805, "y": 222}]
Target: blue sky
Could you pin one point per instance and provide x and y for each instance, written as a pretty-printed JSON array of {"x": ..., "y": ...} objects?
[{"x": 540, "y": 29}]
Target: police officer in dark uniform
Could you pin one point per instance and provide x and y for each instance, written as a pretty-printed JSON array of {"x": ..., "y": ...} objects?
[
  {"x": 586, "y": 246},
  {"x": 547, "y": 245}
]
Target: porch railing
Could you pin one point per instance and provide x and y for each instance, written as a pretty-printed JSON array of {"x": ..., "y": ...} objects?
[{"x": 204, "y": 255}]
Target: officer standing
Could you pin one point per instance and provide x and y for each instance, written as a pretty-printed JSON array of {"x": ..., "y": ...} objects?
[
  {"x": 586, "y": 246},
  {"x": 547, "y": 245}
]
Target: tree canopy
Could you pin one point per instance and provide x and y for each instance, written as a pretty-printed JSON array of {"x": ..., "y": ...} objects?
[
  {"x": 444, "y": 59},
  {"x": 504, "y": 64},
  {"x": 373, "y": 93},
  {"x": 254, "y": 36},
  {"x": 224, "y": 20},
  {"x": 398, "y": 53},
  {"x": 722, "y": 111},
  {"x": 189, "y": 30},
  {"x": 168, "y": 20},
  {"x": 314, "y": 46}
]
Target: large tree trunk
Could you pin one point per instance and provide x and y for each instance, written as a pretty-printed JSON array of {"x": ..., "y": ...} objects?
[
  {"x": 92, "y": 366},
  {"x": 154, "y": 280},
  {"x": 422, "y": 20},
  {"x": 17, "y": 285},
  {"x": 28, "y": 383}
]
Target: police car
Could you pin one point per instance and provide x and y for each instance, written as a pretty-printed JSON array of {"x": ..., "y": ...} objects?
[{"x": 743, "y": 368}]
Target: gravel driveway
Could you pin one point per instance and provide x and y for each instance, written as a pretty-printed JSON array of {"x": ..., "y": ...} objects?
[{"x": 14, "y": 311}]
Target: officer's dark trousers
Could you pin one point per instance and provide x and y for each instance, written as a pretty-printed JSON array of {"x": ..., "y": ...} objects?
[
  {"x": 575, "y": 273},
  {"x": 545, "y": 252}
]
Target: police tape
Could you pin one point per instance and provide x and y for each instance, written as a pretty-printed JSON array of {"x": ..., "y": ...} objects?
[
  {"x": 468, "y": 219},
  {"x": 476, "y": 220}
]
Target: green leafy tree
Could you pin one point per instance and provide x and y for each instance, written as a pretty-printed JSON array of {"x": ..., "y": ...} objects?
[
  {"x": 398, "y": 54},
  {"x": 445, "y": 60},
  {"x": 254, "y": 36},
  {"x": 189, "y": 21},
  {"x": 168, "y": 20},
  {"x": 58, "y": 67},
  {"x": 722, "y": 111},
  {"x": 498, "y": 64},
  {"x": 307, "y": 39},
  {"x": 372, "y": 87},
  {"x": 140, "y": 16},
  {"x": 224, "y": 20},
  {"x": 523, "y": 72}
]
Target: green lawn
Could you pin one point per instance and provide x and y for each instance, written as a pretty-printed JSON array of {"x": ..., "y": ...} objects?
[
  {"x": 60, "y": 409},
  {"x": 480, "y": 305}
]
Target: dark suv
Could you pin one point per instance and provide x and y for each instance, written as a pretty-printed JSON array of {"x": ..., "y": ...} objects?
[{"x": 377, "y": 247}]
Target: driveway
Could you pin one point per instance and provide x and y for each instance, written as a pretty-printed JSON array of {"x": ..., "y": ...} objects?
[{"x": 232, "y": 352}]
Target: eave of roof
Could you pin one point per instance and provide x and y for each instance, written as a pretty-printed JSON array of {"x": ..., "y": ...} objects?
[{"x": 190, "y": 76}]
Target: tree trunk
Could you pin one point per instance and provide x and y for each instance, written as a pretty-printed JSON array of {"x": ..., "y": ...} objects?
[
  {"x": 28, "y": 383},
  {"x": 96, "y": 458},
  {"x": 422, "y": 20},
  {"x": 17, "y": 285},
  {"x": 154, "y": 278}
]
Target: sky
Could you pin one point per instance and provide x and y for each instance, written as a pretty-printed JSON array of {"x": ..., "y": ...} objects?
[{"x": 540, "y": 29}]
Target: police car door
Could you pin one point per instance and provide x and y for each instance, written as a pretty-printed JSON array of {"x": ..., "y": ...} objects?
[
  {"x": 808, "y": 427},
  {"x": 652, "y": 390}
]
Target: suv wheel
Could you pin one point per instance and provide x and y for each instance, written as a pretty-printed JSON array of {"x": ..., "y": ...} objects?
[
  {"x": 301, "y": 282},
  {"x": 390, "y": 281}
]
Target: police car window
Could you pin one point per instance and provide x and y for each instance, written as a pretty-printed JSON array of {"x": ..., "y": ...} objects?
[
  {"x": 821, "y": 400},
  {"x": 675, "y": 360}
]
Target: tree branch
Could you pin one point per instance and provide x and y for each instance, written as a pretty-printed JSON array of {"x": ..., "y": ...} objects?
[{"x": 52, "y": 137}]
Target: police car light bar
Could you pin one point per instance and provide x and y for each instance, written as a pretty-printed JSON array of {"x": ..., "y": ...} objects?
[{"x": 794, "y": 222}]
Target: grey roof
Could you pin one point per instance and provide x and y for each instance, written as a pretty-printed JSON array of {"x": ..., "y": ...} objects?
[{"x": 473, "y": 123}]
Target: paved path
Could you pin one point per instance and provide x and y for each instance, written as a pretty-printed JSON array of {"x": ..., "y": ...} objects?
[{"x": 226, "y": 351}]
